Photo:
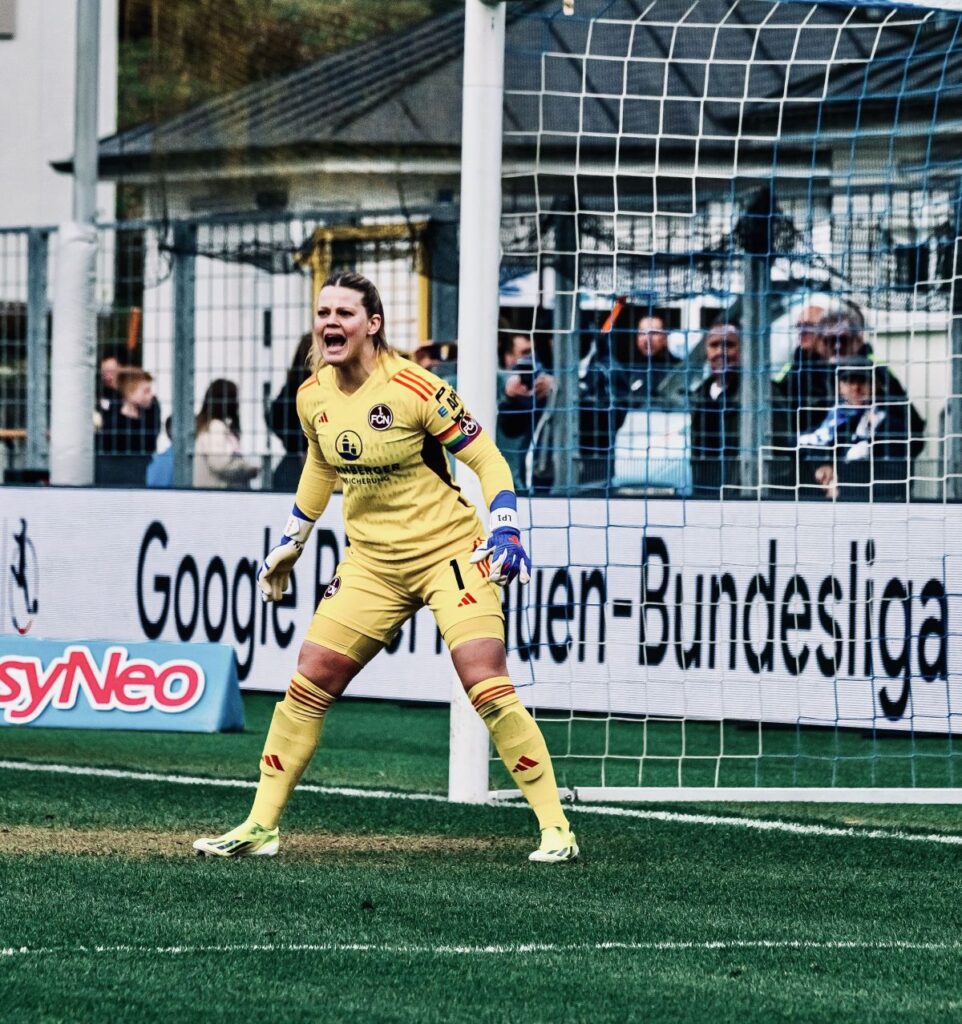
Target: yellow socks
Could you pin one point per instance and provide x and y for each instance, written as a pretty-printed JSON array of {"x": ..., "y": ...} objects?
[
  {"x": 521, "y": 746},
  {"x": 291, "y": 741}
]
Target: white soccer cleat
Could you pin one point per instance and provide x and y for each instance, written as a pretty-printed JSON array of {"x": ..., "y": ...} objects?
[
  {"x": 247, "y": 840},
  {"x": 558, "y": 846}
]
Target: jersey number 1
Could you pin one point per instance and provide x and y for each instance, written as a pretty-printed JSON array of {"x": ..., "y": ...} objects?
[{"x": 457, "y": 574}]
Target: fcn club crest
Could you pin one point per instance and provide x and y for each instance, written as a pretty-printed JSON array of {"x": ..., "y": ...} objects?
[
  {"x": 380, "y": 417},
  {"x": 332, "y": 588}
]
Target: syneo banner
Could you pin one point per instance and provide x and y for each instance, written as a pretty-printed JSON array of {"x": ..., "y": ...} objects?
[{"x": 99, "y": 685}]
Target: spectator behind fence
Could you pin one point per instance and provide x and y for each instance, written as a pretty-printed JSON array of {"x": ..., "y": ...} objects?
[
  {"x": 128, "y": 433},
  {"x": 160, "y": 470},
  {"x": 805, "y": 385},
  {"x": 112, "y": 360},
  {"x": 441, "y": 358},
  {"x": 523, "y": 390},
  {"x": 218, "y": 462},
  {"x": 842, "y": 336},
  {"x": 284, "y": 422},
  {"x": 609, "y": 389},
  {"x": 715, "y": 413},
  {"x": 656, "y": 379},
  {"x": 860, "y": 451}
]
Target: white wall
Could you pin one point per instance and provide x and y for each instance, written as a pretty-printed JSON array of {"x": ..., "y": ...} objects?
[{"x": 37, "y": 111}]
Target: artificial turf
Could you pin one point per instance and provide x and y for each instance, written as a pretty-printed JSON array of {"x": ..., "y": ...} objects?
[{"x": 397, "y": 899}]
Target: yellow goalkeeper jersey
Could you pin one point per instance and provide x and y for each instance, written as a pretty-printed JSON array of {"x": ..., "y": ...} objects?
[{"x": 386, "y": 444}]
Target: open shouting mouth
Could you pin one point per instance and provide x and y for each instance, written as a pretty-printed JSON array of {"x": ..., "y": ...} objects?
[{"x": 334, "y": 343}]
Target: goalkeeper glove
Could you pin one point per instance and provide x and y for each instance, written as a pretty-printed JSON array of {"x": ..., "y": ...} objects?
[
  {"x": 509, "y": 560},
  {"x": 275, "y": 573}
]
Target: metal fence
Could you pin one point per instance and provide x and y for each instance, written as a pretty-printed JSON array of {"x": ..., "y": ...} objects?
[
  {"x": 188, "y": 303},
  {"x": 228, "y": 299}
]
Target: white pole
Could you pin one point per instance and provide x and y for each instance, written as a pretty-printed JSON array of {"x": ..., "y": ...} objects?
[
  {"x": 72, "y": 357},
  {"x": 87, "y": 85},
  {"x": 73, "y": 389},
  {"x": 480, "y": 249}
]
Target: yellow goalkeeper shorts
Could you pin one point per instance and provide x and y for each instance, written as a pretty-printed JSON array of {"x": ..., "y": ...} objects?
[{"x": 366, "y": 601}]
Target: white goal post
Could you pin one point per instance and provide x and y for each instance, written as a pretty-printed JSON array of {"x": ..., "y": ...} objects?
[{"x": 725, "y": 626}]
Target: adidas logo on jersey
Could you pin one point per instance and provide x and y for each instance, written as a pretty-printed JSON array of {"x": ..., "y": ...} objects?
[
  {"x": 524, "y": 763},
  {"x": 322, "y": 418},
  {"x": 466, "y": 600}
]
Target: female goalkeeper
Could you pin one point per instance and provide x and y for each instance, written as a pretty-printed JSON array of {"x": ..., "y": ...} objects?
[{"x": 381, "y": 425}]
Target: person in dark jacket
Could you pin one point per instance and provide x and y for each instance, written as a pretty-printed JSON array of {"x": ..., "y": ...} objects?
[
  {"x": 113, "y": 360},
  {"x": 128, "y": 436},
  {"x": 716, "y": 414},
  {"x": 842, "y": 335},
  {"x": 804, "y": 388},
  {"x": 609, "y": 389},
  {"x": 656, "y": 379},
  {"x": 860, "y": 451},
  {"x": 283, "y": 421},
  {"x": 523, "y": 390}
]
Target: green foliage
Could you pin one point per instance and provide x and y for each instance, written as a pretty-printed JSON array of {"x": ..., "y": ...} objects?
[{"x": 176, "y": 54}]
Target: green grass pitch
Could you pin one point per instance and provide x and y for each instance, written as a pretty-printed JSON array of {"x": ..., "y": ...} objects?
[{"x": 397, "y": 910}]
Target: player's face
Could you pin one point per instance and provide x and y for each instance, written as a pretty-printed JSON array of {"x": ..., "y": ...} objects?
[{"x": 342, "y": 328}]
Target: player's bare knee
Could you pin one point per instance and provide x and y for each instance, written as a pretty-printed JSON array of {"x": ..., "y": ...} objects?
[
  {"x": 478, "y": 659},
  {"x": 326, "y": 669}
]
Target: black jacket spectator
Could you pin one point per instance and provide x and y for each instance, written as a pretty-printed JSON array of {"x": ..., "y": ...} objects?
[
  {"x": 889, "y": 390},
  {"x": 861, "y": 450},
  {"x": 716, "y": 414},
  {"x": 284, "y": 422},
  {"x": 804, "y": 391},
  {"x": 715, "y": 436},
  {"x": 128, "y": 433},
  {"x": 125, "y": 435},
  {"x": 655, "y": 383}
]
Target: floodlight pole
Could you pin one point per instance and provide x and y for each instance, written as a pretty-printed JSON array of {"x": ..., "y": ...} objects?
[
  {"x": 480, "y": 249},
  {"x": 85, "y": 111},
  {"x": 73, "y": 389}
]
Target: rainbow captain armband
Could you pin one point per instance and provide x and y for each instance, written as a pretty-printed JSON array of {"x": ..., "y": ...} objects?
[
  {"x": 275, "y": 573},
  {"x": 460, "y": 434},
  {"x": 509, "y": 560}
]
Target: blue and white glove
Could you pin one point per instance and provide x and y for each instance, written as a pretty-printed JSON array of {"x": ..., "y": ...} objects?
[
  {"x": 275, "y": 573},
  {"x": 509, "y": 560}
]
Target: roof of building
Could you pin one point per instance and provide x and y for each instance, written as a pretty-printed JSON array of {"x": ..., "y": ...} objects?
[{"x": 891, "y": 65}]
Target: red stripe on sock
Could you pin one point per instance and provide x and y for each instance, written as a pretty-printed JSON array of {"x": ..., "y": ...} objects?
[
  {"x": 493, "y": 693},
  {"x": 312, "y": 700}
]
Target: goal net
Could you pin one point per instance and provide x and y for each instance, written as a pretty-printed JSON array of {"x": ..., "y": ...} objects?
[{"x": 731, "y": 230}]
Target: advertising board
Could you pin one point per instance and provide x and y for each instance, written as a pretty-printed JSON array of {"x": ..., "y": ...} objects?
[{"x": 775, "y": 611}]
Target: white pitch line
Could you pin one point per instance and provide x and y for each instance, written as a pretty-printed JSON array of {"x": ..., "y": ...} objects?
[
  {"x": 672, "y": 817},
  {"x": 669, "y": 946}
]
